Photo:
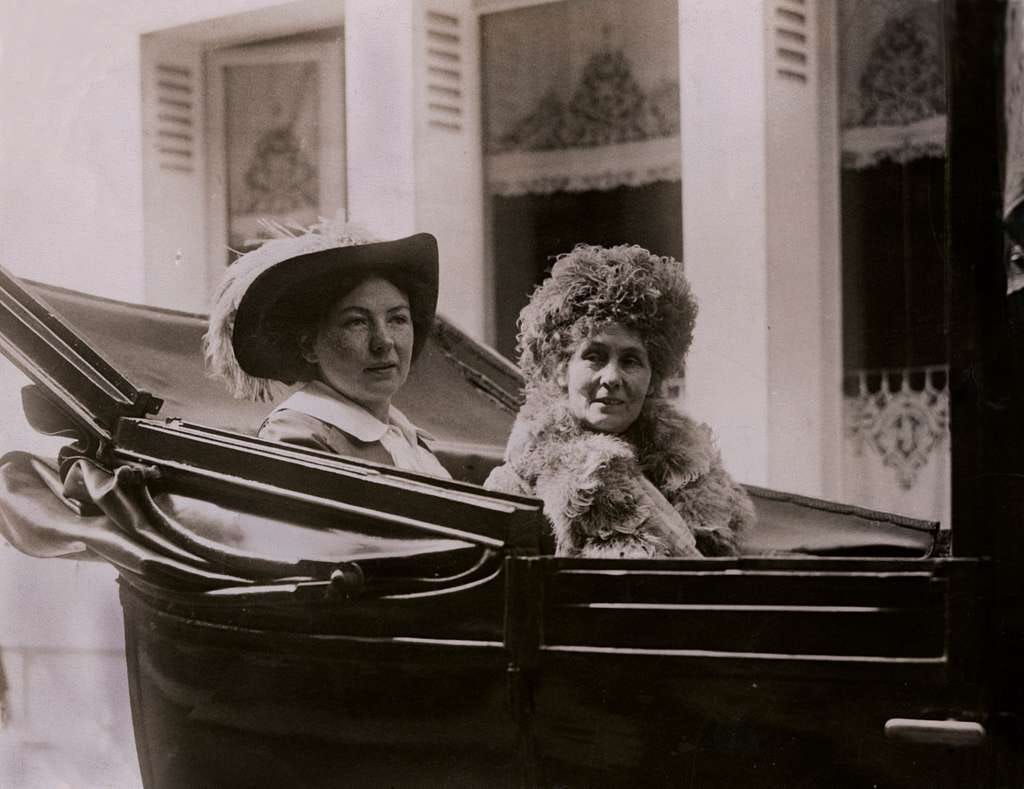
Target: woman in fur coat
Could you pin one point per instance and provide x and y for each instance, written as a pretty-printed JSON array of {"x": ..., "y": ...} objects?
[{"x": 620, "y": 471}]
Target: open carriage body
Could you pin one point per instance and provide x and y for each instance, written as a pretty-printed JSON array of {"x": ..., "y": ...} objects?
[{"x": 296, "y": 618}]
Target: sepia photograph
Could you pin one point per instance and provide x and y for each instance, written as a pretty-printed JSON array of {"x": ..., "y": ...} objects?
[{"x": 512, "y": 393}]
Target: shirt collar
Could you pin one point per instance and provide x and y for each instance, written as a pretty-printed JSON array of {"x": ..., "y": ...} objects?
[{"x": 319, "y": 400}]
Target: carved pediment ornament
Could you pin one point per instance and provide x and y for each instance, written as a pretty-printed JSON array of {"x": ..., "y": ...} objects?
[
  {"x": 894, "y": 85},
  {"x": 607, "y": 107}
]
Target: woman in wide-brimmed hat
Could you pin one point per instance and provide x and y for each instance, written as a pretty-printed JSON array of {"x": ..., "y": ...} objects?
[
  {"x": 343, "y": 314},
  {"x": 620, "y": 471}
]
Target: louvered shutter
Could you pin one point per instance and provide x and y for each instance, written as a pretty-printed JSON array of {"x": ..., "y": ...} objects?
[
  {"x": 790, "y": 34},
  {"x": 174, "y": 173}
]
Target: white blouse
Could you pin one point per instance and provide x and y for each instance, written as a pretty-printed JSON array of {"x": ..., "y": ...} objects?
[{"x": 399, "y": 436}]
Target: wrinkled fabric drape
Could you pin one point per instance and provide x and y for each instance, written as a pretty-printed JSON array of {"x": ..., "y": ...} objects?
[
  {"x": 160, "y": 351},
  {"x": 172, "y": 538}
]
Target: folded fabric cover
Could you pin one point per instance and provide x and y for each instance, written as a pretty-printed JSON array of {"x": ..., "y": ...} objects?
[
  {"x": 184, "y": 541},
  {"x": 459, "y": 391}
]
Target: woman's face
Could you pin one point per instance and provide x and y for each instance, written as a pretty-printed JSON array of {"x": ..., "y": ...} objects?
[
  {"x": 608, "y": 378},
  {"x": 363, "y": 346}
]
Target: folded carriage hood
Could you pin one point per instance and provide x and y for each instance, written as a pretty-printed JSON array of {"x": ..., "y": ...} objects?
[{"x": 459, "y": 390}]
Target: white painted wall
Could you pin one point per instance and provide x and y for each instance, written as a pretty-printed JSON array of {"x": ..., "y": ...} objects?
[
  {"x": 405, "y": 175},
  {"x": 725, "y": 224},
  {"x": 67, "y": 718},
  {"x": 380, "y": 115},
  {"x": 760, "y": 245},
  {"x": 72, "y": 200},
  {"x": 804, "y": 387},
  {"x": 449, "y": 174}
]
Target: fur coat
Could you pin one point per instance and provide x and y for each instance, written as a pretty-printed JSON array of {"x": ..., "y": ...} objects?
[{"x": 599, "y": 489}]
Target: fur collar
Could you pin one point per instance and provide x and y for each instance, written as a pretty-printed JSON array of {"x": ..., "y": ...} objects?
[
  {"x": 671, "y": 449},
  {"x": 590, "y": 482}
]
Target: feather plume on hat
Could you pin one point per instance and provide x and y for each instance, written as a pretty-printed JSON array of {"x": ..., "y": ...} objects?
[{"x": 288, "y": 241}]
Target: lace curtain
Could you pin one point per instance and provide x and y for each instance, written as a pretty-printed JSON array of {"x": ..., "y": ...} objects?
[
  {"x": 893, "y": 109},
  {"x": 272, "y": 138},
  {"x": 581, "y": 95},
  {"x": 896, "y": 441},
  {"x": 892, "y": 71}
]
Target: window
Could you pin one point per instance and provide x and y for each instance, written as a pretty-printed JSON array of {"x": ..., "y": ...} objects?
[
  {"x": 243, "y": 116},
  {"x": 276, "y": 141}
]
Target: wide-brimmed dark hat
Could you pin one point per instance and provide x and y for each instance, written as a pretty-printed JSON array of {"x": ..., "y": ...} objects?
[{"x": 284, "y": 286}]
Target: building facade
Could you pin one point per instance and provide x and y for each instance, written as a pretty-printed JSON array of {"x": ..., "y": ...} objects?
[{"x": 142, "y": 143}]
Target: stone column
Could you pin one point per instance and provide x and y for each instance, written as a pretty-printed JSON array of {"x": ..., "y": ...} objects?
[{"x": 755, "y": 156}]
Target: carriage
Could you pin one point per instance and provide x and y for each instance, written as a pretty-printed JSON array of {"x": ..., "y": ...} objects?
[{"x": 293, "y": 617}]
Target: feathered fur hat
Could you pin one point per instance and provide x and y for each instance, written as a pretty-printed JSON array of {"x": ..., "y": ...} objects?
[
  {"x": 270, "y": 296},
  {"x": 594, "y": 286}
]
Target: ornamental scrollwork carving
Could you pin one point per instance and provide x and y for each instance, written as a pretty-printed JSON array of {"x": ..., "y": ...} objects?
[
  {"x": 903, "y": 426},
  {"x": 607, "y": 107},
  {"x": 280, "y": 178},
  {"x": 904, "y": 79}
]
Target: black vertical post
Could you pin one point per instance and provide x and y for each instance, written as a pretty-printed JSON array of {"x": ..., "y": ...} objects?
[
  {"x": 976, "y": 281},
  {"x": 986, "y": 355},
  {"x": 524, "y": 593}
]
